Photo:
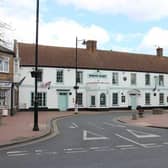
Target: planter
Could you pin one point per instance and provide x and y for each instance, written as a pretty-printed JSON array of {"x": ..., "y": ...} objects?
[
  {"x": 4, "y": 112},
  {"x": 140, "y": 111}
]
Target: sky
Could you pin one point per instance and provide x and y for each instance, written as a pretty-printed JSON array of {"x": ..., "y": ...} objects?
[{"x": 138, "y": 26}]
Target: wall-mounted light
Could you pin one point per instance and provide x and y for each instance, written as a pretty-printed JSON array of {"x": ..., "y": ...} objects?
[{"x": 124, "y": 78}]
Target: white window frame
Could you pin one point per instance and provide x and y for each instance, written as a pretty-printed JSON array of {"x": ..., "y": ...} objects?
[
  {"x": 133, "y": 79},
  {"x": 61, "y": 78},
  {"x": 79, "y": 77},
  {"x": 115, "y": 104},
  {"x": 161, "y": 98},
  {"x": 43, "y": 99},
  {"x": 80, "y": 98},
  {"x": 147, "y": 99},
  {"x": 93, "y": 103},
  {"x": 161, "y": 80},
  {"x": 102, "y": 99},
  {"x": 115, "y": 78},
  {"x": 4, "y": 63},
  {"x": 147, "y": 81}
]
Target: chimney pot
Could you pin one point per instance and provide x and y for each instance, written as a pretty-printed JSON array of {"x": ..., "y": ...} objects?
[
  {"x": 159, "y": 52},
  {"x": 91, "y": 45}
]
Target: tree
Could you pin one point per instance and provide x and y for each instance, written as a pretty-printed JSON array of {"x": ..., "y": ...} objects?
[{"x": 3, "y": 28}]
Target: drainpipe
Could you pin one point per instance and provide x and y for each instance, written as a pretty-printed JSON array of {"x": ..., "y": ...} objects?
[{"x": 12, "y": 88}]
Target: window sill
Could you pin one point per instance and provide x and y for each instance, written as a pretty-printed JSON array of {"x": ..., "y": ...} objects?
[
  {"x": 4, "y": 72},
  {"x": 92, "y": 105},
  {"x": 115, "y": 105},
  {"x": 102, "y": 105}
]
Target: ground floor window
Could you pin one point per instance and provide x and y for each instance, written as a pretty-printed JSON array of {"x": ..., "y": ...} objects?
[
  {"x": 161, "y": 98},
  {"x": 123, "y": 99},
  {"x": 147, "y": 98},
  {"x": 115, "y": 99},
  {"x": 80, "y": 99},
  {"x": 102, "y": 99},
  {"x": 41, "y": 99},
  {"x": 93, "y": 101},
  {"x": 2, "y": 98}
]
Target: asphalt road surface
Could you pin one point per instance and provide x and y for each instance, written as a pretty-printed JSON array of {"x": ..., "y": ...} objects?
[{"x": 93, "y": 141}]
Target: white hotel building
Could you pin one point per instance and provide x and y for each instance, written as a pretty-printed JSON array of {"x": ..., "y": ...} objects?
[{"x": 106, "y": 79}]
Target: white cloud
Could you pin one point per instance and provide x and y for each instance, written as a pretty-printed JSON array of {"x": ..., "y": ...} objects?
[
  {"x": 121, "y": 37},
  {"x": 155, "y": 37},
  {"x": 63, "y": 32},
  {"x": 21, "y": 16},
  {"x": 138, "y": 9}
]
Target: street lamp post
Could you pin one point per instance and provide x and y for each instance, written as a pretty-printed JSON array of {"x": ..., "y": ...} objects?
[
  {"x": 76, "y": 87},
  {"x": 76, "y": 82},
  {"x": 36, "y": 73}
]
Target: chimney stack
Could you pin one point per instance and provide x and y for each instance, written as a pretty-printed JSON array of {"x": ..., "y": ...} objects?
[
  {"x": 159, "y": 52},
  {"x": 91, "y": 45}
]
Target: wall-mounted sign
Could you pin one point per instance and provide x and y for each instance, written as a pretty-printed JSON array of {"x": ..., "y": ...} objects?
[{"x": 97, "y": 75}]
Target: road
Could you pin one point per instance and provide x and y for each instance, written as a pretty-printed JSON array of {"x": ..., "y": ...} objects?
[{"x": 93, "y": 141}]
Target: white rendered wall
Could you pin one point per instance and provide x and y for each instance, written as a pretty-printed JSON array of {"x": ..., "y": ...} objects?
[{"x": 90, "y": 86}]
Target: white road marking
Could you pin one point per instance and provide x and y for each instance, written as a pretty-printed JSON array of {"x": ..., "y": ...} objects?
[
  {"x": 140, "y": 134},
  {"x": 51, "y": 153},
  {"x": 73, "y": 152},
  {"x": 99, "y": 147},
  {"x": 71, "y": 149},
  {"x": 95, "y": 125},
  {"x": 128, "y": 148},
  {"x": 15, "y": 152},
  {"x": 114, "y": 125},
  {"x": 130, "y": 140},
  {"x": 94, "y": 136},
  {"x": 18, "y": 154},
  {"x": 74, "y": 125},
  {"x": 124, "y": 146},
  {"x": 104, "y": 150},
  {"x": 39, "y": 150},
  {"x": 152, "y": 145},
  {"x": 165, "y": 143}
]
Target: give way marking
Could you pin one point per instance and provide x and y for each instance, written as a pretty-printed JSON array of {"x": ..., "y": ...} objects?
[
  {"x": 88, "y": 135},
  {"x": 140, "y": 134}
]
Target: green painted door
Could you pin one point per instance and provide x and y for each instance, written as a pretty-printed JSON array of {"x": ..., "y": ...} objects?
[
  {"x": 63, "y": 101},
  {"x": 133, "y": 102}
]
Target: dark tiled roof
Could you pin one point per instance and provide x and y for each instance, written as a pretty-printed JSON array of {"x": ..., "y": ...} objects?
[
  {"x": 50, "y": 56},
  {"x": 6, "y": 50}
]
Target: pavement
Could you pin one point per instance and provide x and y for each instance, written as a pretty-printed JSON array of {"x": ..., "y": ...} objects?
[
  {"x": 18, "y": 128},
  {"x": 148, "y": 120}
]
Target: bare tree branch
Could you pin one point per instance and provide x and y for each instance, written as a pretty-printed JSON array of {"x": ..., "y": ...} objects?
[{"x": 3, "y": 28}]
